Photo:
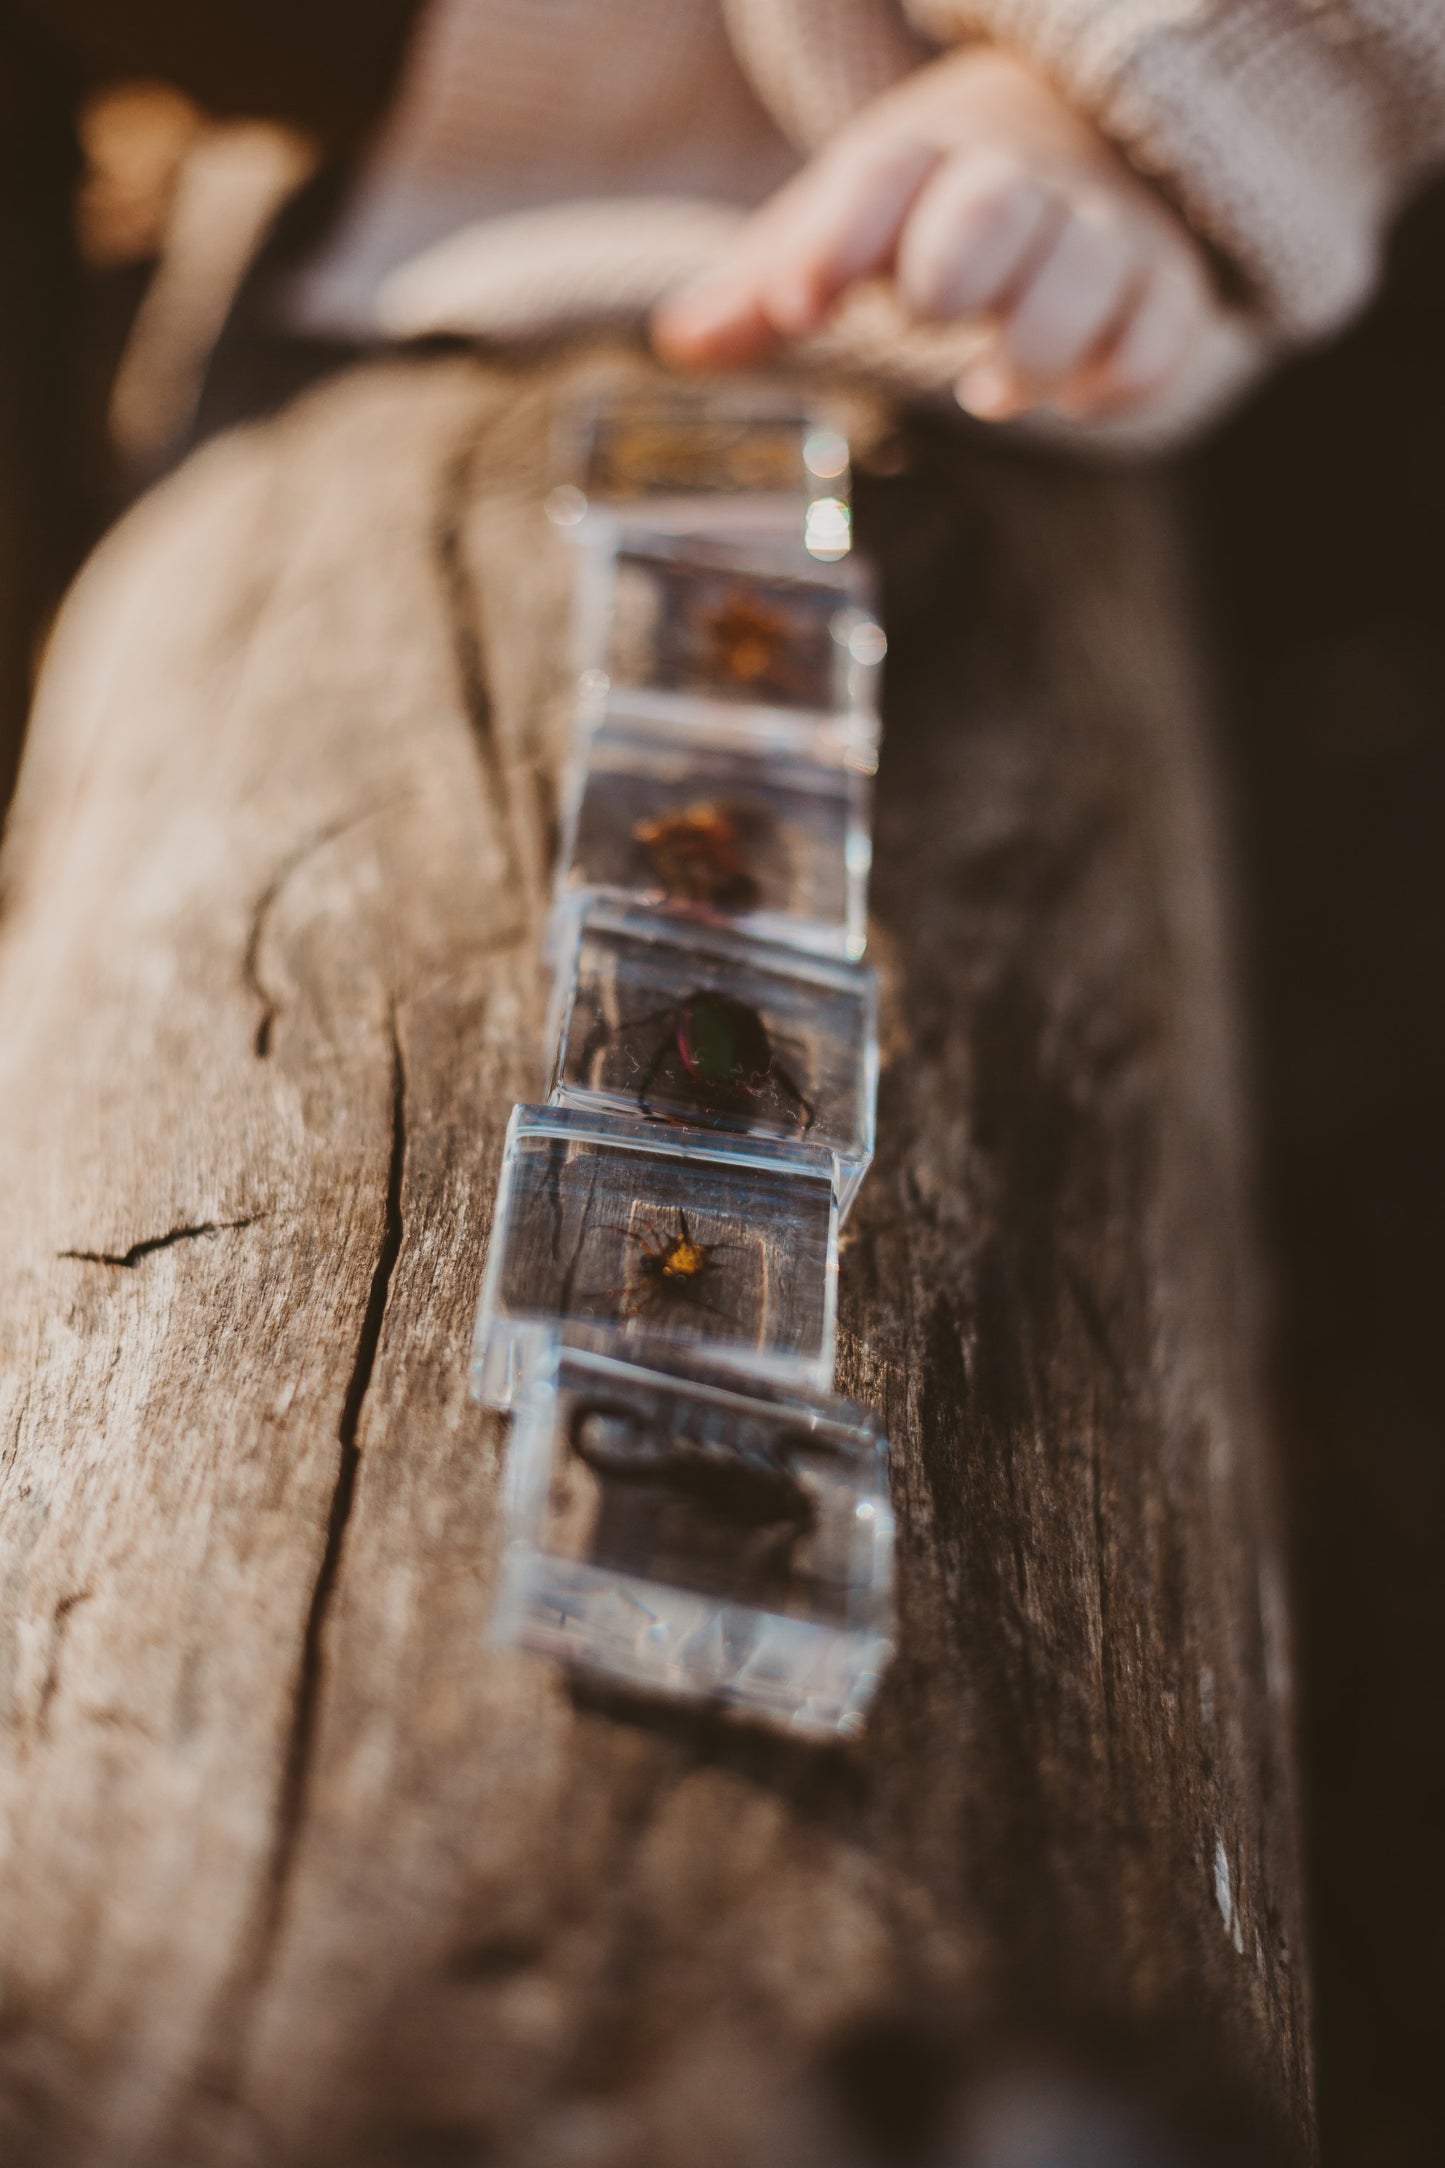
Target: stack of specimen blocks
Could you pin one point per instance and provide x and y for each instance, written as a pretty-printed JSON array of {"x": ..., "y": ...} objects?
[{"x": 688, "y": 1512}]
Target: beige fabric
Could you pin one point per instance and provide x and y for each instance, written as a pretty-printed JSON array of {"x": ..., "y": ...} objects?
[
  {"x": 815, "y": 62},
  {"x": 508, "y": 107},
  {"x": 530, "y": 273},
  {"x": 1288, "y": 131},
  {"x": 567, "y": 138}
]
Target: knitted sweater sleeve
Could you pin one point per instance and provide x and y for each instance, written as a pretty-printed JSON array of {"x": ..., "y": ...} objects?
[{"x": 1288, "y": 132}]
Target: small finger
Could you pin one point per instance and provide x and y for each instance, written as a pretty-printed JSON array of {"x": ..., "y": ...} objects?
[
  {"x": 716, "y": 323},
  {"x": 842, "y": 223},
  {"x": 977, "y": 222},
  {"x": 1072, "y": 298},
  {"x": 835, "y": 222},
  {"x": 1165, "y": 322},
  {"x": 991, "y": 391},
  {"x": 1149, "y": 346}
]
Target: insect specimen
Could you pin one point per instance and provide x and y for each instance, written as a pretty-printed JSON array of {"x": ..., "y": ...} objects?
[
  {"x": 722, "y": 1058},
  {"x": 672, "y": 1271},
  {"x": 638, "y": 452},
  {"x": 696, "y": 855},
  {"x": 717, "y": 1506},
  {"x": 683, "y": 624},
  {"x": 751, "y": 642},
  {"x": 747, "y": 1481}
]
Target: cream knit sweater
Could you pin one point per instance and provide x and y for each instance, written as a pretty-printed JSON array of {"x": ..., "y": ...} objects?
[{"x": 549, "y": 163}]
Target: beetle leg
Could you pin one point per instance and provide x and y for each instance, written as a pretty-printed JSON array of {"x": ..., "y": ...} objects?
[
  {"x": 649, "y": 1074},
  {"x": 787, "y": 1084},
  {"x": 649, "y": 1016}
]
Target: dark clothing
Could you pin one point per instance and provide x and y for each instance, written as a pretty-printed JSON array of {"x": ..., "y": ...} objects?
[{"x": 324, "y": 65}]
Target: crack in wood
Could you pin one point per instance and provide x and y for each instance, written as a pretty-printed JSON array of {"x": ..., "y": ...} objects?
[
  {"x": 111, "y": 1718},
  {"x": 462, "y": 613},
  {"x": 978, "y": 1852},
  {"x": 291, "y": 1808},
  {"x": 261, "y": 912},
  {"x": 1102, "y": 1588},
  {"x": 59, "y": 1626},
  {"x": 196, "y": 1230},
  {"x": 17, "y": 1430},
  {"x": 1092, "y": 1318}
]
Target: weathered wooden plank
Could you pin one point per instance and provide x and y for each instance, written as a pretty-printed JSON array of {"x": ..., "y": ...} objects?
[{"x": 296, "y": 1867}]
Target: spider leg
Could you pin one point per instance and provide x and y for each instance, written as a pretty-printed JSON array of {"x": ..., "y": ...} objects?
[
  {"x": 599, "y": 1294},
  {"x": 648, "y": 1297},
  {"x": 699, "y": 1301},
  {"x": 655, "y": 1243},
  {"x": 660, "y": 1297},
  {"x": 713, "y": 1249},
  {"x": 628, "y": 1234},
  {"x": 638, "y": 1295}
]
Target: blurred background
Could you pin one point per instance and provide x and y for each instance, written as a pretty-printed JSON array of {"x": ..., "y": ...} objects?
[
  {"x": 1318, "y": 513},
  {"x": 1317, "y": 516}
]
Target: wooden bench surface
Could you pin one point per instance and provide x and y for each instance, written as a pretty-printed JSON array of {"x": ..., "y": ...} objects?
[{"x": 292, "y": 1865}]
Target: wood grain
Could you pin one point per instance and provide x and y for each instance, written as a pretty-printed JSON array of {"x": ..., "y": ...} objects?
[{"x": 295, "y": 1868}]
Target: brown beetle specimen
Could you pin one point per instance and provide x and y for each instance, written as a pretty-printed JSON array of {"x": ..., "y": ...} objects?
[
  {"x": 750, "y": 642},
  {"x": 696, "y": 856}
]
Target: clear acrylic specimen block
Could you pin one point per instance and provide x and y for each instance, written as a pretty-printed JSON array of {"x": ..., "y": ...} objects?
[
  {"x": 682, "y": 626},
  {"x": 620, "y": 1234},
  {"x": 722, "y": 457},
  {"x": 721, "y": 829},
  {"x": 671, "y": 1022},
  {"x": 699, "y": 1540}
]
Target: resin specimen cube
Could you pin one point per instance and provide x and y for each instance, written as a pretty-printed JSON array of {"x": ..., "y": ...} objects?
[
  {"x": 722, "y": 829},
  {"x": 676, "y": 1023},
  {"x": 699, "y": 1539},
  {"x": 622, "y": 1234},
  {"x": 713, "y": 456},
  {"x": 684, "y": 625}
]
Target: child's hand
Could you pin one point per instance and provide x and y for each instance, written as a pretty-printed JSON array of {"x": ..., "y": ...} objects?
[{"x": 991, "y": 202}]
